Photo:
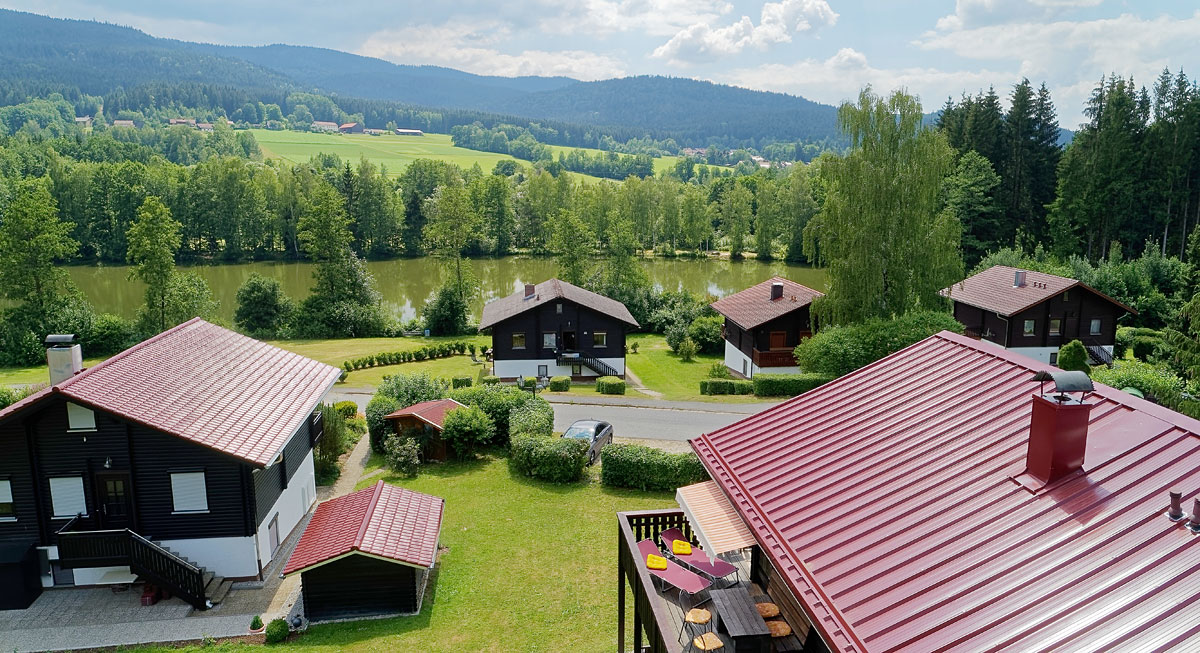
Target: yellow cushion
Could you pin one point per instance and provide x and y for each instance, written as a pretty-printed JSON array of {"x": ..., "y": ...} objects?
[
  {"x": 656, "y": 562},
  {"x": 681, "y": 547}
]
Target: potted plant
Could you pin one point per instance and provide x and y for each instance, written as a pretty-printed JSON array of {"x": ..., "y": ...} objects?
[{"x": 256, "y": 625}]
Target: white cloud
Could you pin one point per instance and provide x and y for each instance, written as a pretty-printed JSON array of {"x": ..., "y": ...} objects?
[
  {"x": 701, "y": 41},
  {"x": 473, "y": 48},
  {"x": 650, "y": 17},
  {"x": 978, "y": 13}
]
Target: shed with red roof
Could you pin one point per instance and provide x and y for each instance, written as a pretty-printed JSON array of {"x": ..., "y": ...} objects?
[
  {"x": 368, "y": 553},
  {"x": 428, "y": 418},
  {"x": 764, "y": 323}
]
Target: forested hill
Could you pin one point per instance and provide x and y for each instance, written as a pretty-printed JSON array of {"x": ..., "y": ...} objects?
[{"x": 37, "y": 52}]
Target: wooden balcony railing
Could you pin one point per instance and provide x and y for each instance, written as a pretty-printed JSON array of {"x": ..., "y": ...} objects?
[
  {"x": 649, "y": 613},
  {"x": 774, "y": 358}
]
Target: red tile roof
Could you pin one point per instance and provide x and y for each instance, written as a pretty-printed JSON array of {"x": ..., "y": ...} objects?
[
  {"x": 206, "y": 384},
  {"x": 754, "y": 306},
  {"x": 383, "y": 521},
  {"x": 431, "y": 412},
  {"x": 993, "y": 290},
  {"x": 886, "y": 499},
  {"x": 547, "y": 291}
]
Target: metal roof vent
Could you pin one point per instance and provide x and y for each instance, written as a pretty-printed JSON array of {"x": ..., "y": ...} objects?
[
  {"x": 1175, "y": 512},
  {"x": 1064, "y": 382},
  {"x": 1193, "y": 522},
  {"x": 1019, "y": 279}
]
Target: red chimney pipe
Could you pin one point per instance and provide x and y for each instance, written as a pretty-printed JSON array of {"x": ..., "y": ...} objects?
[
  {"x": 1057, "y": 437},
  {"x": 529, "y": 290}
]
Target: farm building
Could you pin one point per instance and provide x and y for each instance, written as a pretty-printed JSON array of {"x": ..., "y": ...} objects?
[
  {"x": 368, "y": 553},
  {"x": 375, "y": 132},
  {"x": 429, "y": 418},
  {"x": 323, "y": 126},
  {"x": 124, "y": 123},
  {"x": 83, "y": 121},
  {"x": 1035, "y": 313},
  {"x": 351, "y": 128},
  {"x": 764, "y": 323},
  {"x": 409, "y": 132},
  {"x": 556, "y": 328}
]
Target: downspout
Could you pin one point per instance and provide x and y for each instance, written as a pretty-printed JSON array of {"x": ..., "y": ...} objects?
[{"x": 1007, "y": 329}]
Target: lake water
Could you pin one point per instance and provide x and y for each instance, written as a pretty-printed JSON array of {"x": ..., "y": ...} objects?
[{"x": 406, "y": 283}]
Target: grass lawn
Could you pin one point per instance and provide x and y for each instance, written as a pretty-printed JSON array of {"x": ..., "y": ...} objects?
[
  {"x": 35, "y": 374},
  {"x": 661, "y": 370},
  {"x": 507, "y": 580}
]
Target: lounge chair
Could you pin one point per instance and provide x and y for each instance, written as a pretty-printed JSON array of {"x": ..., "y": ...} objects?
[
  {"x": 674, "y": 575},
  {"x": 697, "y": 559}
]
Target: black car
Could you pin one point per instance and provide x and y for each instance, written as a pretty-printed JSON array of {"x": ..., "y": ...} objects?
[{"x": 594, "y": 432}]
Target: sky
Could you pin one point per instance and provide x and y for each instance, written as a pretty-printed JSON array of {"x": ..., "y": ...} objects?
[{"x": 824, "y": 50}]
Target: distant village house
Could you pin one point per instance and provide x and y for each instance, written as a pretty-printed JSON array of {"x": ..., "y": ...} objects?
[
  {"x": 323, "y": 126},
  {"x": 409, "y": 132},
  {"x": 351, "y": 128}
]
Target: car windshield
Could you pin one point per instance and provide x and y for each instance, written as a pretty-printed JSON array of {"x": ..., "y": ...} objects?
[{"x": 579, "y": 432}]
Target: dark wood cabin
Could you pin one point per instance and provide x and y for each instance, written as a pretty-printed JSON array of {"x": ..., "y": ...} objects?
[
  {"x": 424, "y": 420},
  {"x": 764, "y": 323}
]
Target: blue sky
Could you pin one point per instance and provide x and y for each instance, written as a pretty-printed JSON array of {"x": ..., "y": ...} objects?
[{"x": 824, "y": 50}]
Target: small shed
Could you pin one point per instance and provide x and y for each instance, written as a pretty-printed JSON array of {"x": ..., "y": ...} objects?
[
  {"x": 427, "y": 417},
  {"x": 20, "y": 575},
  {"x": 368, "y": 553}
]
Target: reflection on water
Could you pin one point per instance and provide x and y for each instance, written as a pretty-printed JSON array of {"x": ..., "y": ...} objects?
[{"x": 407, "y": 283}]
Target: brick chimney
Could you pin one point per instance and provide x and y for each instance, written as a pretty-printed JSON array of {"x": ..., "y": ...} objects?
[
  {"x": 530, "y": 289},
  {"x": 776, "y": 290},
  {"x": 1058, "y": 430}
]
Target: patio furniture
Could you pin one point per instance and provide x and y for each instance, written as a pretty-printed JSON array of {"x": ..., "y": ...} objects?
[
  {"x": 674, "y": 575},
  {"x": 779, "y": 628},
  {"x": 707, "y": 642},
  {"x": 737, "y": 616},
  {"x": 696, "y": 622},
  {"x": 698, "y": 559},
  {"x": 766, "y": 609}
]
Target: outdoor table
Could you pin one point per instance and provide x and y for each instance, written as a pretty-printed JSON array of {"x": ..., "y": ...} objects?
[{"x": 736, "y": 615}]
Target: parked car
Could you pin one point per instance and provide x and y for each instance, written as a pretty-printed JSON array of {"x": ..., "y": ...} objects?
[{"x": 594, "y": 432}]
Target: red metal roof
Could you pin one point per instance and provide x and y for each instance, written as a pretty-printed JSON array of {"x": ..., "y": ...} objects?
[
  {"x": 431, "y": 412},
  {"x": 547, "y": 291},
  {"x": 383, "y": 521},
  {"x": 754, "y": 306},
  {"x": 993, "y": 290},
  {"x": 886, "y": 499},
  {"x": 206, "y": 384}
]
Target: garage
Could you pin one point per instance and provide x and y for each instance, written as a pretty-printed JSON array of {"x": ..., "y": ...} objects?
[{"x": 368, "y": 554}]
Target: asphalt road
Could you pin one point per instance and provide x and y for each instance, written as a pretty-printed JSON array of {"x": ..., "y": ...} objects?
[{"x": 647, "y": 423}]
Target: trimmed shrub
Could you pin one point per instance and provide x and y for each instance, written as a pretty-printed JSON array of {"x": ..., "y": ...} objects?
[
  {"x": 531, "y": 418},
  {"x": 1144, "y": 347},
  {"x": 256, "y": 622},
  {"x": 489, "y": 380},
  {"x": 558, "y": 460},
  {"x": 560, "y": 383},
  {"x": 610, "y": 385},
  {"x": 277, "y": 631},
  {"x": 528, "y": 383},
  {"x": 836, "y": 351},
  {"x": 1073, "y": 356},
  {"x": 719, "y": 371},
  {"x": 377, "y": 428},
  {"x": 726, "y": 387},
  {"x": 466, "y": 429},
  {"x": 646, "y": 468},
  {"x": 787, "y": 385},
  {"x": 333, "y": 444},
  {"x": 498, "y": 401},
  {"x": 403, "y": 454},
  {"x": 460, "y": 382},
  {"x": 347, "y": 409}
]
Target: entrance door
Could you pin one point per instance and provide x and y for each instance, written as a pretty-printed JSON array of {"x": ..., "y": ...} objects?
[
  {"x": 116, "y": 500},
  {"x": 569, "y": 340},
  {"x": 779, "y": 340}
]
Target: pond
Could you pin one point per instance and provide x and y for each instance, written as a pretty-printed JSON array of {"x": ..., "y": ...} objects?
[{"x": 406, "y": 283}]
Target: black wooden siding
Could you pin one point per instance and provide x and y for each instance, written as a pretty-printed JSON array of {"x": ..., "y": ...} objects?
[
  {"x": 269, "y": 483},
  {"x": 15, "y": 467},
  {"x": 359, "y": 586},
  {"x": 547, "y": 319},
  {"x": 793, "y": 324},
  {"x": 1075, "y": 312}
]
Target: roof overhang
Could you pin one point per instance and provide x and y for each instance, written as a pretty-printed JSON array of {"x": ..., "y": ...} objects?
[
  {"x": 353, "y": 552},
  {"x": 714, "y": 520}
]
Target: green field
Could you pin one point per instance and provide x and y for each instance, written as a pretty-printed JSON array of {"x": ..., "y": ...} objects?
[{"x": 395, "y": 152}]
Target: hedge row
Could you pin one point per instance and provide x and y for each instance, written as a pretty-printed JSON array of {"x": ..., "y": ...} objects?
[
  {"x": 726, "y": 387},
  {"x": 560, "y": 383},
  {"x": 460, "y": 382},
  {"x": 610, "y": 385},
  {"x": 489, "y": 380},
  {"x": 558, "y": 460},
  {"x": 646, "y": 468},
  {"x": 396, "y": 357},
  {"x": 787, "y": 385}
]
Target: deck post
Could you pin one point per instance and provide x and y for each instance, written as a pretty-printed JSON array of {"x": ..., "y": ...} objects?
[{"x": 620, "y": 591}]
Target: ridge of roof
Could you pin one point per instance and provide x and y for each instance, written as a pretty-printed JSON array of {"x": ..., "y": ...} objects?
[
  {"x": 362, "y": 529},
  {"x": 111, "y": 360},
  {"x": 516, "y": 303},
  {"x": 992, "y": 297},
  {"x": 748, "y": 308}
]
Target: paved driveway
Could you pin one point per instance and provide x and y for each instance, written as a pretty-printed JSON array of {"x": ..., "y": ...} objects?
[{"x": 659, "y": 420}]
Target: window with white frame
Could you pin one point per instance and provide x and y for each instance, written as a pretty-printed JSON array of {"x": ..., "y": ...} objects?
[
  {"x": 1028, "y": 328},
  {"x": 80, "y": 418},
  {"x": 1055, "y": 327},
  {"x": 549, "y": 340},
  {"x": 600, "y": 339},
  {"x": 518, "y": 340},
  {"x": 1095, "y": 327},
  {"x": 7, "y": 512},
  {"x": 66, "y": 497},
  {"x": 189, "y": 492}
]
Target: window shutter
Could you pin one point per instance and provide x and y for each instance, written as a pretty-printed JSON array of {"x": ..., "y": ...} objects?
[
  {"x": 189, "y": 491},
  {"x": 66, "y": 496},
  {"x": 6, "y": 491}
]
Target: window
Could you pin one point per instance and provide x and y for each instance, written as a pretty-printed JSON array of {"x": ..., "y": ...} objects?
[
  {"x": 80, "y": 418},
  {"x": 1029, "y": 324},
  {"x": 6, "y": 501},
  {"x": 558, "y": 308},
  {"x": 66, "y": 496},
  {"x": 1054, "y": 358},
  {"x": 518, "y": 340},
  {"x": 543, "y": 370},
  {"x": 599, "y": 338},
  {"x": 189, "y": 492},
  {"x": 273, "y": 534},
  {"x": 548, "y": 340},
  {"x": 1066, "y": 296},
  {"x": 1055, "y": 327},
  {"x": 1095, "y": 327},
  {"x": 576, "y": 370}
]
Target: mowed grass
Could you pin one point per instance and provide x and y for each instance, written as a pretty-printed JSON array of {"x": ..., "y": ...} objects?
[
  {"x": 527, "y": 566},
  {"x": 660, "y": 369}
]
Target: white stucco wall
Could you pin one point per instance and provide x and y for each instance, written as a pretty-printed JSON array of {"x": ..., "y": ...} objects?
[
  {"x": 737, "y": 361},
  {"x": 291, "y": 506},
  {"x": 232, "y": 557},
  {"x": 506, "y": 369}
]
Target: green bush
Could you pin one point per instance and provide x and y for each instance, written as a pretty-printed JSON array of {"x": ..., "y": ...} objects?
[
  {"x": 528, "y": 382},
  {"x": 1073, "y": 356},
  {"x": 333, "y": 443},
  {"x": 687, "y": 350},
  {"x": 787, "y": 385},
  {"x": 836, "y": 351},
  {"x": 719, "y": 371},
  {"x": 558, "y": 460},
  {"x": 1123, "y": 341},
  {"x": 610, "y": 385},
  {"x": 277, "y": 631},
  {"x": 646, "y": 468},
  {"x": 705, "y": 331},
  {"x": 1144, "y": 347},
  {"x": 1158, "y": 384},
  {"x": 460, "y": 382},
  {"x": 263, "y": 309},
  {"x": 531, "y": 418},
  {"x": 377, "y": 428},
  {"x": 109, "y": 334},
  {"x": 256, "y": 622},
  {"x": 489, "y": 380},
  {"x": 634, "y": 347},
  {"x": 403, "y": 454},
  {"x": 726, "y": 387},
  {"x": 347, "y": 409},
  {"x": 498, "y": 401},
  {"x": 466, "y": 429},
  {"x": 560, "y": 383}
]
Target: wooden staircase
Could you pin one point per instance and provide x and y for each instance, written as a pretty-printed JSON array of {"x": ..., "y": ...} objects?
[
  {"x": 1098, "y": 354},
  {"x": 216, "y": 588}
]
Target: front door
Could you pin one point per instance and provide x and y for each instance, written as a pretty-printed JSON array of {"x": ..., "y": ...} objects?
[
  {"x": 116, "y": 500},
  {"x": 569, "y": 340},
  {"x": 778, "y": 339}
]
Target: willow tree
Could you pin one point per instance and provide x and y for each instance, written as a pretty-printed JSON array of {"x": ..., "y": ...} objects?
[
  {"x": 888, "y": 247},
  {"x": 154, "y": 239}
]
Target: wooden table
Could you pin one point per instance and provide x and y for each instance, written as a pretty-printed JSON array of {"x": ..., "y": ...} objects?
[{"x": 736, "y": 615}]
